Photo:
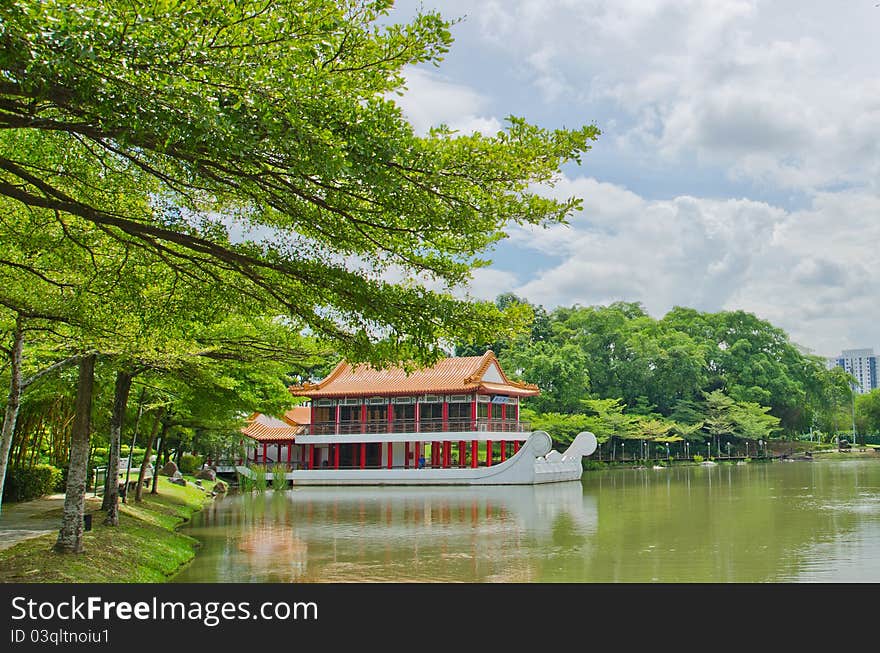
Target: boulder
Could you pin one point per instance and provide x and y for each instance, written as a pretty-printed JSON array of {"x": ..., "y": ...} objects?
[
  {"x": 207, "y": 474},
  {"x": 178, "y": 481},
  {"x": 170, "y": 469}
]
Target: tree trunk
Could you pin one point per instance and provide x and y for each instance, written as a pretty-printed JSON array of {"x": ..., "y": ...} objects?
[
  {"x": 137, "y": 422},
  {"x": 13, "y": 401},
  {"x": 71, "y": 534},
  {"x": 138, "y": 495},
  {"x": 111, "y": 486},
  {"x": 162, "y": 448}
]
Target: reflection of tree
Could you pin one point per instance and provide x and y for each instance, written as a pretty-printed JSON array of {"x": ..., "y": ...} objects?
[
  {"x": 565, "y": 533},
  {"x": 753, "y": 523}
]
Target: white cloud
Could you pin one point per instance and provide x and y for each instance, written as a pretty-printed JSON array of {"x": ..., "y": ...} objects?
[
  {"x": 431, "y": 101},
  {"x": 781, "y": 92},
  {"x": 812, "y": 272}
]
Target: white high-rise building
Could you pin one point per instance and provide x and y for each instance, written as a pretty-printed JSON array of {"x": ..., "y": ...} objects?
[{"x": 862, "y": 364}]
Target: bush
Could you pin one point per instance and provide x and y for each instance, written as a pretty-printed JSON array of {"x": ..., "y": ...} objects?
[
  {"x": 698, "y": 458},
  {"x": 279, "y": 477},
  {"x": 25, "y": 483},
  {"x": 259, "y": 480},
  {"x": 189, "y": 464},
  {"x": 61, "y": 481}
]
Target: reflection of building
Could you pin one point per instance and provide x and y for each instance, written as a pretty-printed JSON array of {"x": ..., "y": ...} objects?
[
  {"x": 862, "y": 364},
  {"x": 448, "y": 423}
]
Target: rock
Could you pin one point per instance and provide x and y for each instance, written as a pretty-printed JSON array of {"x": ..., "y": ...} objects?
[
  {"x": 170, "y": 469},
  {"x": 220, "y": 487},
  {"x": 207, "y": 474},
  {"x": 177, "y": 481},
  {"x": 198, "y": 482}
]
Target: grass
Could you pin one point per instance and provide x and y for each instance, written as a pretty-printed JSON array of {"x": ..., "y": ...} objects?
[{"x": 144, "y": 548}]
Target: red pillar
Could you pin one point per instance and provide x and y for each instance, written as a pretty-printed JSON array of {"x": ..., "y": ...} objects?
[
  {"x": 390, "y": 417},
  {"x": 447, "y": 451},
  {"x": 416, "y": 454},
  {"x": 416, "y": 415},
  {"x": 364, "y": 417},
  {"x": 311, "y": 456},
  {"x": 503, "y": 450},
  {"x": 462, "y": 454},
  {"x": 515, "y": 446},
  {"x": 289, "y": 452},
  {"x": 338, "y": 417},
  {"x": 488, "y": 453},
  {"x": 265, "y": 450},
  {"x": 336, "y": 456},
  {"x": 390, "y": 455},
  {"x": 445, "y": 416},
  {"x": 311, "y": 418},
  {"x": 278, "y": 453},
  {"x": 363, "y": 454},
  {"x": 473, "y": 453},
  {"x": 406, "y": 455}
]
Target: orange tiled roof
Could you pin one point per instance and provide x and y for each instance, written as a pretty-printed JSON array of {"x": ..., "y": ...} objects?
[
  {"x": 450, "y": 375},
  {"x": 264, "y": 428},
  {"x": 298, "y": 415}
]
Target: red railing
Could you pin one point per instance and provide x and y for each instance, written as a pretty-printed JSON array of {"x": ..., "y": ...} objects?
[{"x": 419, "y": 426}]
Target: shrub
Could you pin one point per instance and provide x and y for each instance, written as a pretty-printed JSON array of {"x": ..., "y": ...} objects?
[
  {"x": 245, "y": 482},
  {"x": 279, "y": 480},
  {"x": 259, "y": 480},
  {"x": 25, "y": 483},
  {"x": 189, "y": 464},
  {"x": 698, "y": 458}
]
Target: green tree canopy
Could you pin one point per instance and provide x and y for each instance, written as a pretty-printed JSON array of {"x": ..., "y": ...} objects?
[{"x": 261, "y": 138}]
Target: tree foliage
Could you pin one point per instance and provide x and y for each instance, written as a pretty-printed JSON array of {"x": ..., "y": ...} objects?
[{"x": 262, "y": 139}]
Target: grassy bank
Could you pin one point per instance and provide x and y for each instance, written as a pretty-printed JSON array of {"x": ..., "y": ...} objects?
[{"x": 144, "y": 548}]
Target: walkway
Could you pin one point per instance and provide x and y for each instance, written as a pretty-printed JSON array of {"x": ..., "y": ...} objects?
[{"x": 29, "y": 519}]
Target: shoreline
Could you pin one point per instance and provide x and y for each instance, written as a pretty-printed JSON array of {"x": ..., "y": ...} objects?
[{"x": 146, "y": 547}]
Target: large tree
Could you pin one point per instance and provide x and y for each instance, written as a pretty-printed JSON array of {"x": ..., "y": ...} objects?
[{"x": 265, "y": 140}]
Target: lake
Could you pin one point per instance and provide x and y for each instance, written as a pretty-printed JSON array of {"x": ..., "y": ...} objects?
[{"x": 760, "y": 522}]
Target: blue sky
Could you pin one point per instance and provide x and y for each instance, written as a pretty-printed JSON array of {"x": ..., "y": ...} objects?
[{"x": 738, "y": 162}]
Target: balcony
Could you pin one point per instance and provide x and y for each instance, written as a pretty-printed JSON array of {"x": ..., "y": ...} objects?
[{"x": 419, "y": 426}]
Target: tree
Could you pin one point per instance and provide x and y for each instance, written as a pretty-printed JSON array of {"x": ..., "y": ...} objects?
[
  {"x": 274, "y": 120},
  {"x": 70, "y": 535},
  {"x": 868, "y": 411}
]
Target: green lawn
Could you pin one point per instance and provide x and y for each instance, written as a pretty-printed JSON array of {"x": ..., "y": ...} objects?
[{"x": 144, "y": 548}]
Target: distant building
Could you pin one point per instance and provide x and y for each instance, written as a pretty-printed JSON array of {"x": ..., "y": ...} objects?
[{"x": 862, "y": 364}]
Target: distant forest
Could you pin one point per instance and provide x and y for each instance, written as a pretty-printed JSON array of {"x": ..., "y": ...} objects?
[{"x": 617, "y": 371}]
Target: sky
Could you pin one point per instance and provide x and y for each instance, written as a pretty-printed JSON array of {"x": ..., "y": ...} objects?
[{"x": 737, "y": 167}]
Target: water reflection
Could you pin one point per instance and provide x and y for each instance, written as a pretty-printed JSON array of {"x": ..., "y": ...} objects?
[
  {"x": 753, "y": 523},
  {"x": 388, "y": 534}
]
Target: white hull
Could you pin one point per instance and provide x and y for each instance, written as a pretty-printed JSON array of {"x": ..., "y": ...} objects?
[{"x": 536, "y": 462}]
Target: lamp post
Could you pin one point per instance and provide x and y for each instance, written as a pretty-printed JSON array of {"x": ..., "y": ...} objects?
[
  {"x": 687, "y": 450},
  {"x": 761, "y": 446}
]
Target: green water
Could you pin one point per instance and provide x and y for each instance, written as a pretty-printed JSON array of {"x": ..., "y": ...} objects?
[{"x": 779, "y": 522}]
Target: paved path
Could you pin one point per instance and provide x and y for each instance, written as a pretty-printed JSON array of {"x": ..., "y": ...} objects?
[{"x": 29, "y": 519}]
